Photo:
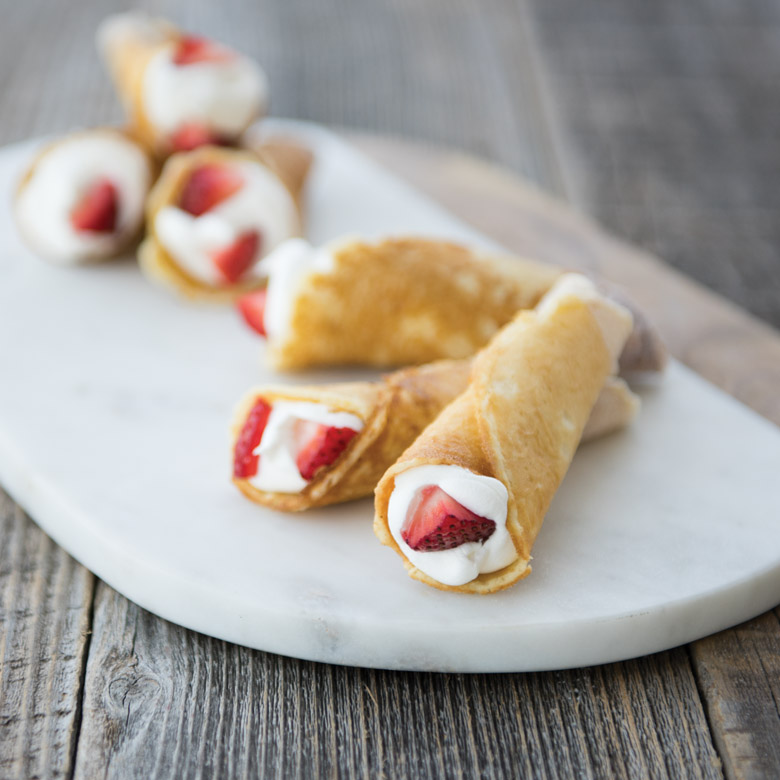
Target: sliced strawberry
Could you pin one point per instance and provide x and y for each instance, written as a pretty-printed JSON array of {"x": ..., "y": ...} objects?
[
  {"x": 245, "y": 462},
  {"x": 233, "y": 261},
  {"x": 192, "y": 49},
  {"x": 97, "y": 209},
  {"x": 252, "y": 308},
  {"x": 208, "y": 186},
  {"x": 323, "y": 444},
  {"x": 191, "y": 135},
  {"x": 436, "y": 521}
]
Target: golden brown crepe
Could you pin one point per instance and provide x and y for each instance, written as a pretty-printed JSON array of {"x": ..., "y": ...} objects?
[
  {"x": 286, "y": 159},
  {"x": 408, "y": 301},
  {"x": 519, "y": 421},
  {"x": 127, "y": 49},
  {"x": 128, "y": 42},
  {"x": 120, "y": 241},
  {"x": 394, "y": 411}
]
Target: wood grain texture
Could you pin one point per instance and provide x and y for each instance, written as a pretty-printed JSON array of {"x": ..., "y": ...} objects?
[
  {"x": 668, "y": 115},
  {"x": 739, "y": 674},
  {"x": 45, "y": 599},
  {"x": 570, "y": 95},
  {"x": 172, "y": 703}
]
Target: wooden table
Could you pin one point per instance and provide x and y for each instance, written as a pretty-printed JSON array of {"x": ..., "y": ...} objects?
[{"x": 637, "y": 113}]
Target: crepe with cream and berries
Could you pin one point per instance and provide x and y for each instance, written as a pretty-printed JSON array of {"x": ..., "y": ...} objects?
[
  {"x": 180, "y": 91},
  {"x": 402, "y": 301},
  {"x": 82, "y": 197},
  {"x": 214, "y": 213},
  {"x": 300, "y": 447},
  {"x": 464, "y": 503}
]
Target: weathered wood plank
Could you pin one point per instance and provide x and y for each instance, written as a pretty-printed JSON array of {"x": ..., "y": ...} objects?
[
  {"x": 668, "y": 115},
  {"x": 739, "y": 674},
  {"x": 172, "y": 703},
  {"x": 467, "y": 75},
  {"x": 45, "y": 599}
]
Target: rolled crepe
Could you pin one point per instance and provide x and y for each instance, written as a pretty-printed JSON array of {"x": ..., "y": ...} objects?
[
  {"x": 403, "y": 301},
  {"x": 215, "y": 212},
  {"x": 180, "y": 91},
  {"x": 82, "y": 197},
  {"x": 501, "y": 448},
  {"x": 393, "y": 412}
]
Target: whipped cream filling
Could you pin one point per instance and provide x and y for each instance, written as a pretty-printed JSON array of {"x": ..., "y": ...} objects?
[
  {"x": 277, "y": 470},
  {"x": 61, "y": 178},
  {"x": 614, "y": 320},
  {"x": 263, "y": 203},
  {"x": 225, "y": 96},
  {"x": 287, "y": 268},
  {"x": 485, "y": 496}
]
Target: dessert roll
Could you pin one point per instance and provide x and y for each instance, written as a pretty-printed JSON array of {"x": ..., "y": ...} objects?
[
  {"x": 464, "y": 503},
  {"x": 399, "y": 301},
  {"x": 180, "y": 91},
  {"x": 82, "y": 198},
  {"x": 214, "y": 213},
  {"x": 300, "y": 447}
]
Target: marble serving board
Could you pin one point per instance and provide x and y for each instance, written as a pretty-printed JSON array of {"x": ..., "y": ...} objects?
[{"x": 115, "y": 400}]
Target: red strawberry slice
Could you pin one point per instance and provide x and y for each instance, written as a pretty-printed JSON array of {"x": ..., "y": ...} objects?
[
  {"x": 245, "y": 462},
  {"x": 252, "y": 308},
  {"x": 191, "y": 135},
  {"x": 208, "y": 186},
  {"x": 323, "y": 445},
  {"x": 97, "y": 209},
  {"x": 192, "y": 49},
  {"x": 436, "y": 521},
  {"x": 233, "y": 261}
]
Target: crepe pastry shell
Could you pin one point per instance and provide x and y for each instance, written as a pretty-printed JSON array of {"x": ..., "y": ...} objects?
[
  {"x": 520, "y": 421},
  {"x": 127, "y": 50},
  {"x": 288, "y": 161},
  {"x": 404, "y": 301},
  {"x": 124, "y": 241},
  {"x": 395, "y": 410}
]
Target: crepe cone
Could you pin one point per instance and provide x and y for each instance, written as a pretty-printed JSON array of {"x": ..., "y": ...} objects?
[
  {"x": 127, "y": 42},
  {"x": 403, "y": 301},
  {"x": 406, "y": 301},
  {"x": 395, "y": 411},
  {"x": 286, "y": 161},
  {"x": 520, "y": 419},
  {"x": 129, "y": 218}
]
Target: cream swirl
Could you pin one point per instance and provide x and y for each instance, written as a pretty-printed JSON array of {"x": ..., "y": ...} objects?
[
  {"x": 262, "y": 203},
  {"x": 277, "y": 469},
  {"x": 485, "y": 496},
  {"x": 60, "y": 179},
  {"x": 224, "y": 95}
]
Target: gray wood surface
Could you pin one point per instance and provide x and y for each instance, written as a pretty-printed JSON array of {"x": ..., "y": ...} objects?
[
  {"x": 184, "y": 705},
  {"x": 636, "y": 112},
  {"x": 45, "y": 619}
]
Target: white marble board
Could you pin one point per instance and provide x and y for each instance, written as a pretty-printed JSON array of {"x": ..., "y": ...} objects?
[{"x": 114, "y": 406}]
